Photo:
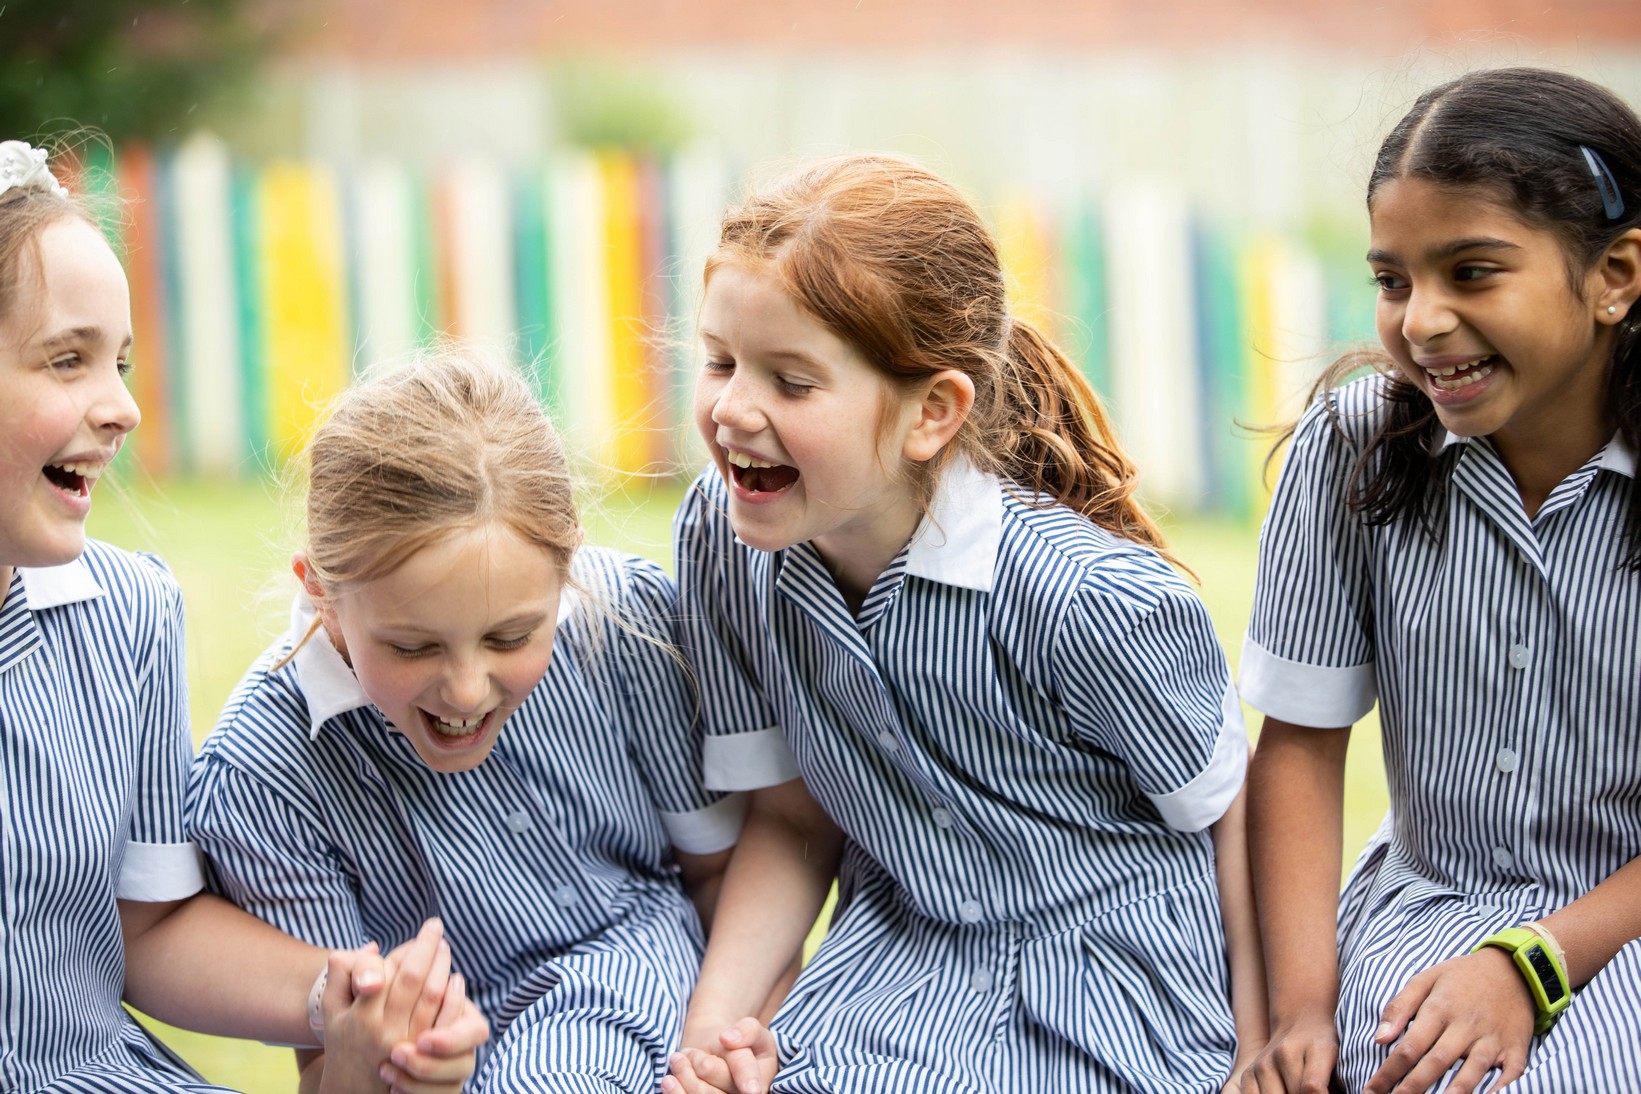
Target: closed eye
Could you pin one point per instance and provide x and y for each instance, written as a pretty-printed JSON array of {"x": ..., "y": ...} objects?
[{"x": 512, "y": 643}]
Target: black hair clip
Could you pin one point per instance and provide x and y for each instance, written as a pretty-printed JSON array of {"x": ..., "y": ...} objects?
[{"x": 1612, "y": 202}]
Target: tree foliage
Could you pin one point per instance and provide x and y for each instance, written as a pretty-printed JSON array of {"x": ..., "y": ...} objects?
[{"x": 129, "y": 68}]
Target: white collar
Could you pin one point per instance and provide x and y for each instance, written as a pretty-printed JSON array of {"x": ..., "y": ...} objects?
[
  {"x": 54, "y": 586},
  {"x": 956, "y": 542},
  {"x": 328, "y": 683},
  {"x": 1617, "y": 455}
]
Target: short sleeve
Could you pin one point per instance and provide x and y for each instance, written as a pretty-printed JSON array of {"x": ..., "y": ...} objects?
[
  {"x": 1148, "y": 683},
  {"x": 269, "y": 856},
  {"x": 159, "y": 863},
  {"x": 743, "y": 748},
  {"x": 1308, "y": 656},
  {"x": 663, "y": 715}
]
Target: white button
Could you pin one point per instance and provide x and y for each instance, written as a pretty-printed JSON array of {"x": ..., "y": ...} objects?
[
  {"x": 1502, "y": 858},
  {"x": 565, "y": 895},
  {"x": 969, "y": 911},
  {"x": 519, "y": 822},
  {"x": 941, "y": 818},
  {"x": 1507, "y": 760},
  {"x": 980, "y": 979},
  {"x": 1518, "y": 656},
  {"x": 888, "y": 740}
]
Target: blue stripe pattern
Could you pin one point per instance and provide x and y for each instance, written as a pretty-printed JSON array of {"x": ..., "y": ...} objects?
[
  {"x": 548, "y": 863},
  {"x": 1505, "y": 656},
  {"x": 1013, "y": 913},
  {"x": 94, "y": 748}
]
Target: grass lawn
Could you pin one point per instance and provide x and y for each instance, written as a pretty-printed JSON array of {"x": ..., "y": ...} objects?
[{"x": 229, "y": 546}]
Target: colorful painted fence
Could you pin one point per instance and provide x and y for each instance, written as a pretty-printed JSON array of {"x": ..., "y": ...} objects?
[{"x": 258, "y": 291}]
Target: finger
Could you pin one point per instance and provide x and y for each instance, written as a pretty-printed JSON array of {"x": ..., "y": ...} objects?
[
  {"x": 461, "y": 1028},
  {"x": 1408, "y": 1054},
  {"x": 426, "y": 1008},
  {"x": 686, "y": 1078},
  {"x": 412, "y": 963},
  {"x": 1401, "y": 1009},
  {"x": 400, "y": 1083},
  {"x": 369, "y": 974},
  {"x": 1469, "y": 1077},
  {"x": 1435, "y": 1062},
  {"x": 417, "y": 1068}
]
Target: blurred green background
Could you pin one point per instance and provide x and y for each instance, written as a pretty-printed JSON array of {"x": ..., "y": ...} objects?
[{"x": 229, "y": 544}]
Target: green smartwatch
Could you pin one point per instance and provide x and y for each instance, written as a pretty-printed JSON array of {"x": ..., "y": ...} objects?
[{"x": 1541, "y": 967}]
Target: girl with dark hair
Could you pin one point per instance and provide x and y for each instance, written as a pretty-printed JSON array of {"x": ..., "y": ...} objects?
[
  {"x": 1459, "y": 539},
  {"x": 937, "y": 639}
]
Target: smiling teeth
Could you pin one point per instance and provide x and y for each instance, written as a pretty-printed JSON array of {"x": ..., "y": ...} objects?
[
  {"x": 84, "y": 470},
  {"x": 740, "y": 459},
  {"x": 1470, "y": 372},
  {"x": 459, "y": 728}
]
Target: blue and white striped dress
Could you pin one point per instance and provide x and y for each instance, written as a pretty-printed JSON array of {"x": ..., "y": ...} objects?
[
  {"x": 94, "y": 749},
  {"x": 1023, "y": 735},
  {"x": 1505, "y": 656},
  {"x": 549, "y": 863}
]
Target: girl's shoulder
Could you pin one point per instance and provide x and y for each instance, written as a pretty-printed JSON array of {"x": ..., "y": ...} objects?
[
  {"x": 129, "y": 575},
  {"x": 1349, "y": 415},
  {"x": 1056, "y": 558},
  {"x": 623, "y": 582}
]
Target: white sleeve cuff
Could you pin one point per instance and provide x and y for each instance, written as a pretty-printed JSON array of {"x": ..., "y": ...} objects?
[
  {"x": 154, "y": 872},
  {"x": 709, "y": 830},
  {"x": 1306, "y": 695},
  {"x": 748, "y": 761},
  {"x": 1204, "y": 799}
]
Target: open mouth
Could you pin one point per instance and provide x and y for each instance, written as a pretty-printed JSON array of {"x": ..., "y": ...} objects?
[
  {"x": 1462, "y": 376},
  {"x": 760, "y": 476},
  {"x": 458, "y": 733},
  {"x": 74, "y": 479}
]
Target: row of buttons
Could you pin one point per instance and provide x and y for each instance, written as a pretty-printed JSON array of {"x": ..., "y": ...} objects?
[{"x": 565, "y": 895}]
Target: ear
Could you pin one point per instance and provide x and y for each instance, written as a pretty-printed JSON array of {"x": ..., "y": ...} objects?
[
  {"x": 1619, "y": 269},
  {"x": 310, "y": 581},
  {"x": 943, "y": 408}
]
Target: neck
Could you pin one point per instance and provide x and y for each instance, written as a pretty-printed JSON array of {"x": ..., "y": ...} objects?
[
  {"x": 1539, "y": 464},
  {"x": 5, "y": 583},
  {"x": 856, "y": 561}
]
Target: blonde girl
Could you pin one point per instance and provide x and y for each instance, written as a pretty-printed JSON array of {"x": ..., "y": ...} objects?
[{"x": 475, "y": 717}]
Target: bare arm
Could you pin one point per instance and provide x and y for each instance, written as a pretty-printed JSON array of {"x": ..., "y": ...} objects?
[
  {"x": 1249, "y": 1001},
  {"x": 1296, "y": 788},
  {"x": 205, "y": 965},
  {"x": 773, "y": 890}
]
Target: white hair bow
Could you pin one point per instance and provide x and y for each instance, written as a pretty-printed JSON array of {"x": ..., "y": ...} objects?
[{"x": 24, "y": 167}]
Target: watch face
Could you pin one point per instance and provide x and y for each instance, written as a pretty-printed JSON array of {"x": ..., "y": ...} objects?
[{"x": 1546, "y": 970}]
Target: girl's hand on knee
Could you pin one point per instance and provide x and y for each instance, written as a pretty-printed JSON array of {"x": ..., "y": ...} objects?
[
  {"x": 751, "y": 1054},
  {"x": 1474, "y": 1008},
  {"x": 1298, "y": 1059},
  {"x": 745, "y": 1064},
  {"x": 695, "y": 1071}
]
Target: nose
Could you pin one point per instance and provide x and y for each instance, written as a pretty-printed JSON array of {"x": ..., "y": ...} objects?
[
  {"x": 1428, "y": 314},
  {"x": 465, "y": 688},
  {"x": 115, "y": 411},
  {"x": 735, "y": 405}
]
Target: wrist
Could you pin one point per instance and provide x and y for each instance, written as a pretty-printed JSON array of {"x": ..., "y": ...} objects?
[
  {"x": 316, "y": 1007},
  {"x": 1540, "y": 962}
]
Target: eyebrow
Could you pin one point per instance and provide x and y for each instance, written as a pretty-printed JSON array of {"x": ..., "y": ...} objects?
[
  {"x": 1457, "y": 246},
  {"x": 80, "y": 334},
  {"x": 797, "y": 355},
  {"x": 404, "y": 628}
]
